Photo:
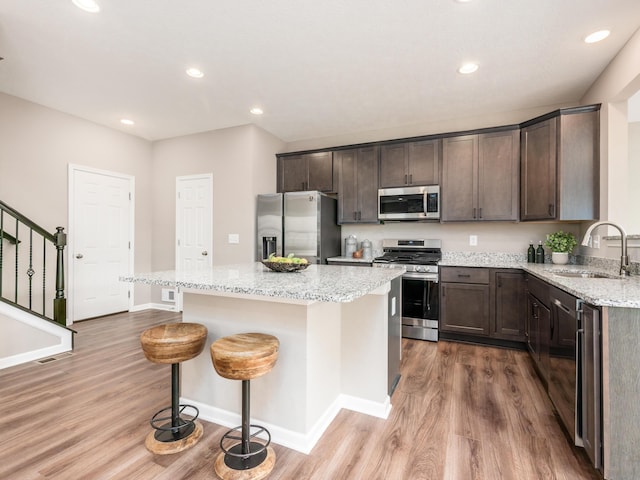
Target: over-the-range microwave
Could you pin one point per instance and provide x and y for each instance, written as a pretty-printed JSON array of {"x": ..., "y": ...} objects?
[{"x": 409, "y": 203}]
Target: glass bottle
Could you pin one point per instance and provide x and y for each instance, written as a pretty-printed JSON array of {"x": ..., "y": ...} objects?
[
  {"x": 540, "y": 253},
  {"x": 531, "y": 253}
]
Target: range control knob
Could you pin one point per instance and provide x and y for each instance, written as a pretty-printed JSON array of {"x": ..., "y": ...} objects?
[{"x": 421, "y": 269}]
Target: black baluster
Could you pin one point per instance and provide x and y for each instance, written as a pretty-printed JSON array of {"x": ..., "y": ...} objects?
[{"x": 60, "y": 303}]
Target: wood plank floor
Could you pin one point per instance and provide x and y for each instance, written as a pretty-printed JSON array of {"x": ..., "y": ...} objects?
[{"x": 459, "y": 412}]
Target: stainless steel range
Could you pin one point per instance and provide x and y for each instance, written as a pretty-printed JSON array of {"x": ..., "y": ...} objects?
[{"x": 420, "y": 293}]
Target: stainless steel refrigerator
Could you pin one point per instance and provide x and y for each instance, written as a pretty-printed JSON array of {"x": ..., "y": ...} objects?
[{"x": 302, "y": 223}]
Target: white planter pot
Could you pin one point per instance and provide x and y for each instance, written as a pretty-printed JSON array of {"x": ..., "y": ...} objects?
[{"x": 560, "y": 258}]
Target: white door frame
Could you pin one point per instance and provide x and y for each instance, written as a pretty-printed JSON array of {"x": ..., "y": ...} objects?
[
  {"x": 71, "y": 231},
  {"x": 205, "y": 176}
]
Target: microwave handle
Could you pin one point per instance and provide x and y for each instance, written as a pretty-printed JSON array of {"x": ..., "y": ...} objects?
[{"x": 425, "y": 203}]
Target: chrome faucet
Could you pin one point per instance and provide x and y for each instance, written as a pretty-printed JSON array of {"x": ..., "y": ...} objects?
[{"x": 624, "y": 258}]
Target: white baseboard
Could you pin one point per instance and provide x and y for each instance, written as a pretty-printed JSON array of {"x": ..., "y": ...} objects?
[
  {"x": 153, "y": 306},
  {"x": 360, "y": 405},
  {"x": 63, "y": 335},
  {"x": 301, "y": 442},
  {"x": 33, "y": 355}
]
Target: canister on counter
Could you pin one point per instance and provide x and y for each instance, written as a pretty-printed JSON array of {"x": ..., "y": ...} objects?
[
  {"x": 367, "y": 251},
  {"x": 350, "y": 245}
]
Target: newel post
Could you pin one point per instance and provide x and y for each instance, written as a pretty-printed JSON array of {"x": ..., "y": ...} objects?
[{"x": 60, "y": 302}]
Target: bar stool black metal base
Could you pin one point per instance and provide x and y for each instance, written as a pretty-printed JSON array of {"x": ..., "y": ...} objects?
[
  {"x": 254, "y": 453},
  {"x": 176, "y": 427}
]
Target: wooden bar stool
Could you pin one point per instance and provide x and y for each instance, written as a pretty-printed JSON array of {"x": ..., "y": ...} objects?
[
  {"x": 173, "y": 343},
  {"x": 242, "y": 357}
]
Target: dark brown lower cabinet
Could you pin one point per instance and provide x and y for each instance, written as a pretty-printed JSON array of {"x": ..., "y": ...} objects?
[
  {"x": 509, "y": 297},
  {"x": 538, "y": 332},
  {"x": 483, "y": 303},
  {"x": 464, "y": 308}
]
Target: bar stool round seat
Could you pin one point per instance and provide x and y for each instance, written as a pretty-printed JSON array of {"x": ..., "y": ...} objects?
[
  {"x": 245, "y": 356},
  {"x": 173, "y": 343}
]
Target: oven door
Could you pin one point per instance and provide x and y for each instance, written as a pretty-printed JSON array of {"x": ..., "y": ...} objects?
[{"x": 420, "y": 306}]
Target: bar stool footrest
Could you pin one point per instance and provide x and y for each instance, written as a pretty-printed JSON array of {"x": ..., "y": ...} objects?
[
  {"x": 235, "y": 458},
  {"x": 166, "y": 431}
]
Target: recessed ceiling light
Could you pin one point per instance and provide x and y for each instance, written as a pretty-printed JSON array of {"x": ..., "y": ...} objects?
[
  {"x": 463, "y": 1},
  {"x": 195, "y": 72},
  {"x": 87, "y": 5},
  {"x": 468, "y": 68},
  {"x": 126, "y": 121},
  {"x": 256, "y": 111},
  {"x": 597, "y": 36}
]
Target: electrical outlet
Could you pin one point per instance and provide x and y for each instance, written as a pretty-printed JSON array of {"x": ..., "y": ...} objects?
[
  {"x": 473, "y": 240},
  {"x": 596, "y": 241}
]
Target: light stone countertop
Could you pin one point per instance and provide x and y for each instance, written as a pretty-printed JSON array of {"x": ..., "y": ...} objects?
[
  {"x": 322, "y": 283},
  {"x": 604, "y": 292},
  {"x": 350, "y": 260}
]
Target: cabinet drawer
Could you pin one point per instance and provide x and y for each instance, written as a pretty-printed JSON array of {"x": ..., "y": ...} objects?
[
  {"x": 538, "y": 289},
  {"x": 464, "y": 275}
]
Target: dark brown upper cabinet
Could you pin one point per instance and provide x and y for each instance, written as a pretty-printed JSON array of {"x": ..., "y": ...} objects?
[
  {"x": 358, "y": 185},
  {"x": 410, "y": 163},
  {"x": 560, "y": 165},
  {"x": 480, "y": 177},
  {"x": 309, "y": 171}
]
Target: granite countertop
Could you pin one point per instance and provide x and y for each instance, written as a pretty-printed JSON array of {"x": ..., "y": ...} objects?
[
  {"x": 614, "y": 291},
  {"x": 349, "y": 260},
  {"x": 322, "y": 283}
]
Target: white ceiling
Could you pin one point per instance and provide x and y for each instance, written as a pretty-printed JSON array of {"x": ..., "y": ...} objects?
[{"x": 317, "y": 68}]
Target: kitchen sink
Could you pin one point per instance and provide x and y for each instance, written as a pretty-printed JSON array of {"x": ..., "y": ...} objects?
[{"x": 584, "y": 275}]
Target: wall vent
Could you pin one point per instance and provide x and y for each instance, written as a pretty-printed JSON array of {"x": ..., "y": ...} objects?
[
  {"x": 42, "y": 361},
  {"x": 168, "y": 295}
]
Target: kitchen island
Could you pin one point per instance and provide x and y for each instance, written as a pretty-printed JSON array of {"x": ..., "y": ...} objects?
[{"x": 332, "y": 325}]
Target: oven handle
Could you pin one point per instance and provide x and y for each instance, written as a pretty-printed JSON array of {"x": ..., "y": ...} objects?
[{"x": 430, "y": 277}]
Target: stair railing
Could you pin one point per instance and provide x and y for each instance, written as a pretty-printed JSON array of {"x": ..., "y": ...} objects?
[{"x": 17, "y": 232}]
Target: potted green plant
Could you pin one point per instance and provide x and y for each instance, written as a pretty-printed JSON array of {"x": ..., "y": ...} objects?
[{"x": 561, "y": 245}]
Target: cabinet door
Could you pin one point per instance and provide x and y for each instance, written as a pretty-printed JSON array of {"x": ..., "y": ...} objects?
[
  {"x": 533, "y": 328},
  {"x": 464, "y": 308},
  {"x": 347, "y": 194},
  {"x": 367, "y": 185},
  {"x": 320, "y": 171},
  {"x": 563, "y": 320},
  {"x": 424, "y": 163},
  {"x": 459, "y": 171},
  {"x": 393, "y": 165},
  {"x": 544, "y": 322},
  {"x": 294, "y": 173},
  {"x": 538, "y": 331},
  {"x": 538, "y": 171},
  {"x": 579, "y": 166},
  {"x": 498, "y": 175},
  {"x": 510, "y": 305}
]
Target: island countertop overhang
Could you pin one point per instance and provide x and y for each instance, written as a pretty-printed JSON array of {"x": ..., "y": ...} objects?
[{"x": 321, "y": 283}]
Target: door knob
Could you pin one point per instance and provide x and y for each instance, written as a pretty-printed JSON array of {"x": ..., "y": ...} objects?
[
  {"x": 205, "y": 253},
  {"x": 79, "y": 255}
]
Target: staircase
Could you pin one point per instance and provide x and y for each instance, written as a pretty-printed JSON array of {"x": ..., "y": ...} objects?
[{"x": 32, "y": 301}]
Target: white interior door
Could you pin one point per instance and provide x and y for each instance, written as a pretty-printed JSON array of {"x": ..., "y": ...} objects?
[
  {"x": 101, "y": 238},
  {"x": 194, "y": 220}
]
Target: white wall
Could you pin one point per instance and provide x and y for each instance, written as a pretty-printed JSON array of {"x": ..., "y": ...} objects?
[
  {"x": 36, "y": 146},
  {"x": 242, "y": 160},
  {"x": 617, "y": 83},
  {"x": 492, "y": 237},
  {"x": 633, "y": 179},
  {"x": 18, "y": 337}
]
